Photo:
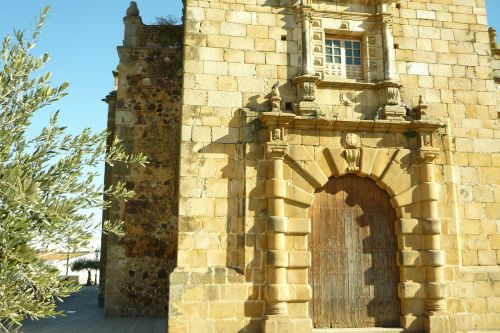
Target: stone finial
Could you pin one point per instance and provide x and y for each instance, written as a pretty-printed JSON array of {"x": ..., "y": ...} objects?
[
  {"x": 133, "y": 10},
  {"x": 493, "y": 38},
  {"x": 275, "y": 97},
  {"x": 421, "y": 108}
]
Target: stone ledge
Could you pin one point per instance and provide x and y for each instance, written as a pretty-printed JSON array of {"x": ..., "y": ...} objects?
[{"x": 290, "y": 120}]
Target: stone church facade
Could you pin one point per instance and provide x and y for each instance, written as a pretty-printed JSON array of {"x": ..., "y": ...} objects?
[{"x": 314, "y": 164}]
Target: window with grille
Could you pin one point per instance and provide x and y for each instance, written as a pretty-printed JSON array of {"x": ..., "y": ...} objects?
[{"x": 343, "y": 58}]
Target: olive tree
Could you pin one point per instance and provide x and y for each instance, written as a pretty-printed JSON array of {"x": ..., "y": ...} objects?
[{"x": 47, "y": 182}]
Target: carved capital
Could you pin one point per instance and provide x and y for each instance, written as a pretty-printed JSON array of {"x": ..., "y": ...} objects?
[
  {"x": 307, "y": 15},
  {"x": 426, "y": 140},
  {"x": 387, "y": 20},
  {"x": 276, "y": 150},
  {"x": 427, "y": 155}
]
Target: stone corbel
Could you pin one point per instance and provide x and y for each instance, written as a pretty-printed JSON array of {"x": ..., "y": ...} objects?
[
  {"x": 276, "y": 148},
  {"x": 306, "y": 91},
  {"x": 391, "y": 101},
  {"x": 426, "y": 153}
]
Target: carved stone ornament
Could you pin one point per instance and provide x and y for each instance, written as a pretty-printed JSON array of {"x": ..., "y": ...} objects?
[
  {"x": 275, "y": 97},
  {"x": 276, "y": 134},
  {"x": 352, "y": 140},
  {"x": 352, "y": 157},
  {"x": 306, "y": 86},
  {"x": 276, "y": 149},
  {"x": 427, "y": 155},
  {"x": 421, "y": 108},
  {"x": 307, "y": 15},
  {"x": 426, "y": 140},
  {"x": 391, "y": 102},
  {"x": 347, "y": 98},
  {"x": 308, "y": 91},
  {"x": 393, "y": 96},
  {"x": 387, "y": 20}
]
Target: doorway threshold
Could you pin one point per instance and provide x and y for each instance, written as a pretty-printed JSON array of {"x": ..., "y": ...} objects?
[{"x": 358, "y": 330}]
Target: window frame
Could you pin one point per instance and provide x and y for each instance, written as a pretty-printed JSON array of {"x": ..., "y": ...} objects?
[{"x": 343, "y": 57}]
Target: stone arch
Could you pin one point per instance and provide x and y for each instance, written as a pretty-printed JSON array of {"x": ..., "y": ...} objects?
[
  {"x": 411, "y": 194},
  {"x": 388, "y": 168}
]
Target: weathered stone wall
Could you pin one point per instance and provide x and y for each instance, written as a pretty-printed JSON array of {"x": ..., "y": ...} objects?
[
  {"x": 234, "y": 52},
  {"x": 146, "y": 115}
]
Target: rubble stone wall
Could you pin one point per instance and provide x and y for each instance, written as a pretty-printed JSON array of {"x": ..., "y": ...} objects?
[{"x": 146, "y": 108}]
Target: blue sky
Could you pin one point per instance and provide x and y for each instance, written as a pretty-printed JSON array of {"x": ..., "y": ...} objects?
[{"x": 81, "y": 37}]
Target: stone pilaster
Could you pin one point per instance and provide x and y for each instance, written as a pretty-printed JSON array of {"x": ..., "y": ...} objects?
[
  {"x": 276, "y": 256},
  {"x": 436, "y": 318},
  {"x": 276, "y": 290}
]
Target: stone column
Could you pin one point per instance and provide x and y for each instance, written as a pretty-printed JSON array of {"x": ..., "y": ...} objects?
[
  {"x": 306, "y": 83},
  {"x": 390, "y": 73},
  {"x": 307, "y": 41},
  {"x": 391, "y": 102},
  {"x": 276, "y": 290},
  {"x": 433, "y": 258}
]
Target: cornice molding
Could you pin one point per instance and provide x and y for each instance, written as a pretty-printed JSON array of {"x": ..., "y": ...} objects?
[{"x": 290, "y": 120}]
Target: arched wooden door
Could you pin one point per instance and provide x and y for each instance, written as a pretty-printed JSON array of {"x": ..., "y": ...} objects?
[{"x": 354, "y": 274}]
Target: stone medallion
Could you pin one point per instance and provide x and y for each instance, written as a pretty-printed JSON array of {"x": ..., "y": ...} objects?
[
  {"x": 352, "y": 140},
  {"x": 347, "y": 98}
]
